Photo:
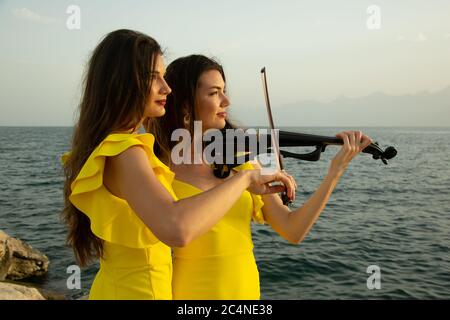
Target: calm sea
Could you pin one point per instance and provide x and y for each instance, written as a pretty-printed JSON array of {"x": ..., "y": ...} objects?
[{"x": 396, "y": 217}]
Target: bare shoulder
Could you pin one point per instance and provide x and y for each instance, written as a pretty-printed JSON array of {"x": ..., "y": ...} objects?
[
  {"x": 120, "y": 165},
  {"x": 134, "y": 155}
]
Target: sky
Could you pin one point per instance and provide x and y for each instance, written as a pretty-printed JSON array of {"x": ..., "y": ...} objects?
[{"x": 313, "y": 50}]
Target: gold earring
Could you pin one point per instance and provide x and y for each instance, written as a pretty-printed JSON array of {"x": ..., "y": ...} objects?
[{"x": 186, "y": 120}]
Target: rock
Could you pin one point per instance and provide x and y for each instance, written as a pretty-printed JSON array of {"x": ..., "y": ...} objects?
[
  {"x": 52, "y": 295},
  {"x": 20, "y": 260},
  {"x": 5, "y": 258},
  {"x": 12, "y": 291}
]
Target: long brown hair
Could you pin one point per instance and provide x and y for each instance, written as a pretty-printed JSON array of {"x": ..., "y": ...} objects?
[
  {"x": 182, "y": 76},
  {"x": 116, "y": 89}
]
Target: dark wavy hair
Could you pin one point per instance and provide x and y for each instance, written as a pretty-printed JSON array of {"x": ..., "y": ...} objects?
[
  {"x": 182, "y": 76},
  {"x": 116, "y": 89}
]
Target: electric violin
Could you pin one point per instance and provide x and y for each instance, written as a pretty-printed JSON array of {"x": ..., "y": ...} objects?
[{"x": 270, "y": 142}]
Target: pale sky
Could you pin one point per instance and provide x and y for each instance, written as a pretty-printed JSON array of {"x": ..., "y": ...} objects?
[{"x": 313, "y": 50}]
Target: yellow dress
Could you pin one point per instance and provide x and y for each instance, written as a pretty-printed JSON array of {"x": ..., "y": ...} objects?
[
  {"x": 220, "y": 264},
  {"x": 135, "y": 264}
]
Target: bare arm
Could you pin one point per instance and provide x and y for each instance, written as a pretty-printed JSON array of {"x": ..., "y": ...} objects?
[
  {"x": 294, "y": 226},
  {"x": 176, "y": 223}
]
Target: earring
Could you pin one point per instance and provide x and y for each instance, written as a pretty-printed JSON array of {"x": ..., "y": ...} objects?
[{"x": 186, "y": 120}]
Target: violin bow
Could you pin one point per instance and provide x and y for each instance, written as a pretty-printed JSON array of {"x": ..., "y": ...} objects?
[{"x": 274, "y": 135}]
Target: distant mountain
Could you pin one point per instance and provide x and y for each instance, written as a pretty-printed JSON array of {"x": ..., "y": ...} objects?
[{"x": 376, "y": 109}]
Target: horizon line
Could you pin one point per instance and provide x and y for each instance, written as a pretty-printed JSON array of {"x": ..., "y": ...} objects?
[{"x": 246, "y": 126}]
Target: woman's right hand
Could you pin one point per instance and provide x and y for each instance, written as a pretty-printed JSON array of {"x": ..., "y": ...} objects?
[
  {"x": 260, "y": 183},
  {"x": 354, "y": 143}
]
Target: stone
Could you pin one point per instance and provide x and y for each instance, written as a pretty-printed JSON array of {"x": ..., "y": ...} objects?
[
  {"x": 19, "y": 260},
  {"x": 5, "y": 256},
  {"x": 12, "y": 291}
]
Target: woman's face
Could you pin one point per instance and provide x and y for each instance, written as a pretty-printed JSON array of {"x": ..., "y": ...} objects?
[
  {"x": 211, "y": 101},
  {"x": 159, "y": 90}
]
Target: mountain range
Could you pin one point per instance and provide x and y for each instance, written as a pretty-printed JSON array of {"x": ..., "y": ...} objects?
[{"x": 422, "y": 109}]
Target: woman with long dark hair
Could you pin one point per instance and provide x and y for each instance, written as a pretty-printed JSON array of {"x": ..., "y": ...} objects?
[
  {"x": 119, "y": 203},
  {"x": 220, "y": 264}
]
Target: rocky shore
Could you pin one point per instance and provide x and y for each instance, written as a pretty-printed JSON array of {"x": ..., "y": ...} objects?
[{"x": 19, "y": 262}]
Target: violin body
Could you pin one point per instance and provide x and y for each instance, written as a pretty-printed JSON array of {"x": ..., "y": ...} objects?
[{"x": 287, "y": 139}]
